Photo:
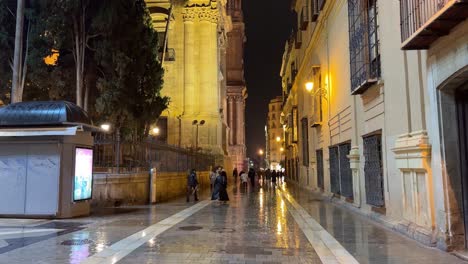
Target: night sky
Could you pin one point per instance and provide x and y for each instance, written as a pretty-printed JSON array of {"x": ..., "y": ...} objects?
[{"x": 268, "y": 26}]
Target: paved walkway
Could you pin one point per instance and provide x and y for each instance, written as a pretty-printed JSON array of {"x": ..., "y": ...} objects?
[{"x": 263, "y": 225}]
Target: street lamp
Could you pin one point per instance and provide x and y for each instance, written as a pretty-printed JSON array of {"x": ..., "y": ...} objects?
[
  {"x": 260, "y": 152},
  {"x": 106, "y": 127},
  {"x": 278, "y": 139},
  {"x": 196, "y": 123},
  {"x": 309, "y": 86},
  {"x": 156, "y": 131}
]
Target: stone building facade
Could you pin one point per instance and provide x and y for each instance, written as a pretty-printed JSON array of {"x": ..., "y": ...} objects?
[
  {"x": 275, "y": 134},
  {"x": 374, "y": 111},
  {"x": 200, "y": 74},
  {"x": 236, "y": 87}
]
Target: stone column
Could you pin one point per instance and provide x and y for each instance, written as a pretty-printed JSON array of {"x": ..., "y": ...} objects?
[
  {"x": 241, "y": 117},
  {"x": 354, "y": 164},
  {"x": 208, "y": 66},
  {"x": 190, "y": 100},
  {"x": 231, "y": 115},
  {"x": 240, "y": 120}
]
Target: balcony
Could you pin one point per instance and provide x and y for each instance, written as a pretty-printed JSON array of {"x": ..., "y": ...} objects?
[
  {"x": 317, "y": 6},
  {"x": 304, "y": 21},
  {"x": 425, "y": 21},
  {"x": 298, "y": 39}
]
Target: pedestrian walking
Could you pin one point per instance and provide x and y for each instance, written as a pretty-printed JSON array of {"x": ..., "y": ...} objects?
[
  {"x": 212, "y": 178},
  {"x": 235, "y": 174},
  {"x": 268, "y": 174},
  {"x": 244, "y": 178},
  {"x": 252, "y": 177},
  {"x": 274, "y": 174},
  {"x": 223, "y": 195},
  {"x": 216, "y": 186},
  {"x": 192, "y": 185}
]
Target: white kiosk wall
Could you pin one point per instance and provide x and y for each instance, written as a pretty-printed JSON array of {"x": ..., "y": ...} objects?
[{"x": 29, "y": 182}]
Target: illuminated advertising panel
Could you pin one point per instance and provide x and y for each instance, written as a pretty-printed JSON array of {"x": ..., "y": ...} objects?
[{"x": 83, "y": 182}]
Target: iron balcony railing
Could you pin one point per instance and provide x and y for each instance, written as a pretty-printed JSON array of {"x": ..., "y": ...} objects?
[
  {"x": 424, "y": 21},
  {"x": 304, "y": 17},
  {"x": 298, "y": 39}
]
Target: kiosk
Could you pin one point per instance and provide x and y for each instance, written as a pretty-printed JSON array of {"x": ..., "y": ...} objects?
[{"x": 46, "y": 160}]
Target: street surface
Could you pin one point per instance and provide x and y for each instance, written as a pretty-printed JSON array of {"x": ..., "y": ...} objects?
[{"x": 262, "y": 225}]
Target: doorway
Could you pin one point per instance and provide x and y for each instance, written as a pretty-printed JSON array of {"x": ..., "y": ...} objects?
[{"x": 461, "y": 97}]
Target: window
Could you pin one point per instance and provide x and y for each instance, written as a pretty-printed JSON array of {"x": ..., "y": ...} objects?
[
  {"x": 373, "y": 170},
  {"x": 320, "y": 181},
  {"x": 274, "y": 117},
  {"x": 363, "y": 44},
  {"x": 273, "y": 108},
  {"x": 305, "y": 142}
]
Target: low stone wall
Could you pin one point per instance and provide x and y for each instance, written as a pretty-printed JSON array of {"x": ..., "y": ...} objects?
[
  {"x": 133, "y": 188},
  {"x": 115, "y": 189},
  {"x": 172, "y": 184}
]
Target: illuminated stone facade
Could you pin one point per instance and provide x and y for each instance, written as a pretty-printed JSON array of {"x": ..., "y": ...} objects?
[
  {"x": 193, "y": 36},
  {"x": 275, "y": 134},
  {"x": 379, "y": 128},
  {"x": 236, "y": 88}
]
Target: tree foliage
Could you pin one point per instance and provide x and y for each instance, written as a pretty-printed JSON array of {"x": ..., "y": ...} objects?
[{"x": 109, "y": 47}]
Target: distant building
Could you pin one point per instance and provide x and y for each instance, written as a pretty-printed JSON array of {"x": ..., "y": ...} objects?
[
  {"x": 275, "y": 135},
  {"x": 236, "y": 87}
]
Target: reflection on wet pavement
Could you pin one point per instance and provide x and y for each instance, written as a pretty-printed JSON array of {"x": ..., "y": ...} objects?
[{"x": 259, "y": 225}]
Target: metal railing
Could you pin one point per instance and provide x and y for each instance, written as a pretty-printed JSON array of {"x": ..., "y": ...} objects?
[
  {"x": 304, "y": 20},
  {"x": 415, "y": 13},
  {"x": 113, "y": 155}
]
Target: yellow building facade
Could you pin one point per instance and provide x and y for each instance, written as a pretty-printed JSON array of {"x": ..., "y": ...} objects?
[
  {"x": 362, "y": 120},
  {"x": 194, "y": 48},
  {"x": 275, "y": 134}
]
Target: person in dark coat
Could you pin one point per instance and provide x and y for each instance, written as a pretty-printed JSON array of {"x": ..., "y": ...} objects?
[
  {"x": 252, "y": 177},
  {"x": 235, "y": 174},
  {"x": 274, "y": 174},
  {"x": 192, "y": 185},
  {"x": 223, "y": 195},
  {"x": 268, "y": 174},
  {"x": 216, "y": 187}
]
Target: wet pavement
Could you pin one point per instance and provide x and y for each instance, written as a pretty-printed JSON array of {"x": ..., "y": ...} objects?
[{"x": 262, "y": 225}]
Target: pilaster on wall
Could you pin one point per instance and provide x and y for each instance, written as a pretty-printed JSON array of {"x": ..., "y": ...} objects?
[
  {"x": 413, "y": 159},
  {"x": 354, "y": 161}
]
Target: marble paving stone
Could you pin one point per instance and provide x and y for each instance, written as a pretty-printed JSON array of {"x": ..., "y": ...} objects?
[{"x": 257, "y": 226}]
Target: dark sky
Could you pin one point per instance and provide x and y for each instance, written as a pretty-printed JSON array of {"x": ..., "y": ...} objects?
[{"x": 268, "y": 26}]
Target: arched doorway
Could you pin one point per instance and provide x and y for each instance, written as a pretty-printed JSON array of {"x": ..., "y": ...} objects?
[{"x": 453, "y": 121}]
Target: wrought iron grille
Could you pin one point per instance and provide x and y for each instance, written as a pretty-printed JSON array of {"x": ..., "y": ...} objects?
[
  {"x": 415, "y": 13},
  {"x": 373, "y": 170},
  {"x": 304, "y": 16},
  {"x": 319, "y": 154},
  {"x": 317, "y": 6},
  {"x": 305, "y": 142},
  {"x": 363, "y": 44},
  {"x": 346, "y": 175},
  {"x": 334, "y": 170}
]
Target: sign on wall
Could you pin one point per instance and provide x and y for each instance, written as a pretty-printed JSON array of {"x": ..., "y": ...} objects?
[{"x": 83, "y": 181}]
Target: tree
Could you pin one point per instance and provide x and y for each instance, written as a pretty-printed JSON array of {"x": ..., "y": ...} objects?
[
  {"x": 7, "y": 32},
  {"x": 70, "y": 23},
  {"x": 131, "y": 80}
]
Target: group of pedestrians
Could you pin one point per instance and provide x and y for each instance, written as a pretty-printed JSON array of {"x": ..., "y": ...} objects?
[
  {"x": 218, "y": 181},
  {"x": 274, "y": 175}
]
